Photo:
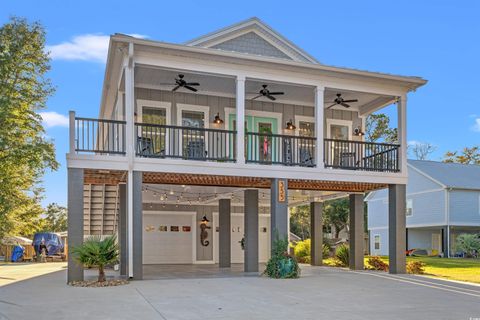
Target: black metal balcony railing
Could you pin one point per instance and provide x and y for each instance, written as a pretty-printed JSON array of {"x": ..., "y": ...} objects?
[
  {"x": 107, "y": 137},
  {"x": 359, "y": 155},
  {"x": 286, "y": 150},
  {"x": 165, "y": 141},
  {"x": 99, "y": 136}
]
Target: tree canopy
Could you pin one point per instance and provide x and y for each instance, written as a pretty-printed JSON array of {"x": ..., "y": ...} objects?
[
  {"x": 465, "y": 156},
  {"x": 55, "y": 218},
  {"x": 336, "y": 213},
  {"x": 421, "y": 150},
  {"x": 300, "y": 221},
  {"x": 377, "y": 128},
  {"x": 25, "y": 152}
]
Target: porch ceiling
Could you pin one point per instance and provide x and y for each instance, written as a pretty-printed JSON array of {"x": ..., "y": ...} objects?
[
  {"x": 164, "y": 79},
  {"x": 115, "y": 177}
]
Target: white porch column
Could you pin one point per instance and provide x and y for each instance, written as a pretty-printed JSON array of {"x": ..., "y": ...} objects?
[
  {"x": 71, "y": 132},
  {"x": 319, "y": 120},
  {"x": 129, "y": 104},
  {"x": 402, "y": 131},
  {"x": 130, "y": 148},
  {"x": 240, "y": 119}
]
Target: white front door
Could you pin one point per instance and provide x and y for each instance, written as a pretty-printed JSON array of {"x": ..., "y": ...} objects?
[{"x": 238, "y": 232}]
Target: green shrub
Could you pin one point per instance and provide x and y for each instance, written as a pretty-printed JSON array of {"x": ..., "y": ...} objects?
[
  {"x": 342, "y": 255},
  {"x": 376, "y": 263},
  {"x": 97, "y": 253},
  {"x": 281, "y": 264},
  {"x": 325, "y": 251},
  {"x": 468, "y": 243},
  {"x": 302, "y": 251},
  {"x": 416, "y": 267}
]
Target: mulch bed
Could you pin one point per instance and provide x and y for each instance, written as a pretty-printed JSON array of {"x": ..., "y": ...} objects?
[{"x": 96, "y": 284}]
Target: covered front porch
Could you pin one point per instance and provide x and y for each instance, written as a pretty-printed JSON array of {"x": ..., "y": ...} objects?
[{"x": 282, "y": 123}]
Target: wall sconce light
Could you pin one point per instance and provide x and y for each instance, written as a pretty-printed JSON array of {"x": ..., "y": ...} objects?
[
  {"x": 217, "y": 119},
  {"x": 204, "y": 233},
  {"x": 358, "y": 132},
  {"x": 290, "y": 125}
]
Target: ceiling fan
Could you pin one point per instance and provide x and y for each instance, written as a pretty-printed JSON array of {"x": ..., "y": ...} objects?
[
  {"x": 264, "y": 92},
  {"x": 182, "y": 83},
  {"x": 340, "y": 101}
]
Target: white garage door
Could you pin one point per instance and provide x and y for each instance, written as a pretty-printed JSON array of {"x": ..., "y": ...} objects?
[{"x": 170, "y": 246}]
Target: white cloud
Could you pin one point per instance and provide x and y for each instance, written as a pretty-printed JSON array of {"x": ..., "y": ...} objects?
[
  {"x": 476, "y": 126},
  {"x": 54, "y": 119},
  {"x": 139, "y": 36},
  {"x": 412, "y": 143},
  {"x": 87, "y": 47}
]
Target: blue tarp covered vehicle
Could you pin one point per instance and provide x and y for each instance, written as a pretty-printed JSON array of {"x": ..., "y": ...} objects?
[{"x": 52, "y": 241}]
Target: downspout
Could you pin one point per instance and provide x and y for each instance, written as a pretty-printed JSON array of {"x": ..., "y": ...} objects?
[
  {"x": 129, "y": 118},
  {"x": 447, "y": 218}
]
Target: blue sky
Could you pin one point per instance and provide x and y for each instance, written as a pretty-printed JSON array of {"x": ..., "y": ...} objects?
[{"x": 437, "y": 40}]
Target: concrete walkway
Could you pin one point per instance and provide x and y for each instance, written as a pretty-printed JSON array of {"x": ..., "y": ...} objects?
[{"x": 321, "y": 293}]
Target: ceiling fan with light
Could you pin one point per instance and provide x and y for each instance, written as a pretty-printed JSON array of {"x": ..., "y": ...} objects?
[
  {"x": 180, "y": 82},
  {"x": 264, "y": 92},
  {"x": 342, "y": 102}
]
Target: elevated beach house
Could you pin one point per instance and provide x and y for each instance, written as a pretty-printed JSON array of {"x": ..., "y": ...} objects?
[{"x": 200, "y": 148}]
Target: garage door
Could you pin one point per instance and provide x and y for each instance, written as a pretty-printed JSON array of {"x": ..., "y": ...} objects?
[{"x": 167, "y": 238}]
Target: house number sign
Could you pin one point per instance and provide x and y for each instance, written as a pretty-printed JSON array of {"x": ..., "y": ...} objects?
[{"x": 281, "y": 191}]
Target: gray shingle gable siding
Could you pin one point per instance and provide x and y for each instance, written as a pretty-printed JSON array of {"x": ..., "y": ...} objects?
[{"x": 253, "y": 44}]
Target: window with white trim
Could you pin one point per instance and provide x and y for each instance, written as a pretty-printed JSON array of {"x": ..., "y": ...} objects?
[
  {"x": 409, "y": 208},
  {"x": 376, "y": 242}
]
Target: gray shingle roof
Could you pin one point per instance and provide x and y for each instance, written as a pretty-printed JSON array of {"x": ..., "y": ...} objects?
[{"x": 452, "y": 175}]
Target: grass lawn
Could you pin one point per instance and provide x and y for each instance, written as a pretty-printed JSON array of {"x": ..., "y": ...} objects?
[{"x": 453, "y": 268}]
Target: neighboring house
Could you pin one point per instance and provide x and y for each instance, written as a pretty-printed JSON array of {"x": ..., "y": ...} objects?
[
  {"x": 443, "y": 201},
  {"x": 201, "y": 144}
]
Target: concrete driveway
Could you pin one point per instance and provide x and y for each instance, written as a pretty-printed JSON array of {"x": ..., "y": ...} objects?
[
  {"x": 13, "y": 272},
  {"x": 321, "y": 293}
]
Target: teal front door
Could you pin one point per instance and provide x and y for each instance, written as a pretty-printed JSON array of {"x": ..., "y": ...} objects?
[{"x": 258, "y": 147}]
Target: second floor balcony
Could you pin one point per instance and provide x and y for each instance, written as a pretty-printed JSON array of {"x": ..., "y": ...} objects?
[{"x": 158, "y": 141}]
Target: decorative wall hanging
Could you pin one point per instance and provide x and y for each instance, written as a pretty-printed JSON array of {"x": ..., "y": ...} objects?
[
  {"x": 186, "y": 228},
  {"x": 203, "y": 233},
  {"x": 174, "y": 228},
  {"x": 163, "y": 228},
  {"x": 149, "y": 228},
  {"x": 242, "y": 243}
]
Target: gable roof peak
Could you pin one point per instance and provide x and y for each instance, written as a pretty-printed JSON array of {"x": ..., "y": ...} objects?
[{"x": 260, "y": 29}]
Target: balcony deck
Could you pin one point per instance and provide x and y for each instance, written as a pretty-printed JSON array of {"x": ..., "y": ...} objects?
[{"x": 107, "y": 137}]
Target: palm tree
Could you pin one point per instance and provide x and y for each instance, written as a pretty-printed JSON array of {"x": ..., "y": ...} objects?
[{"x": 97, "y": 253}]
